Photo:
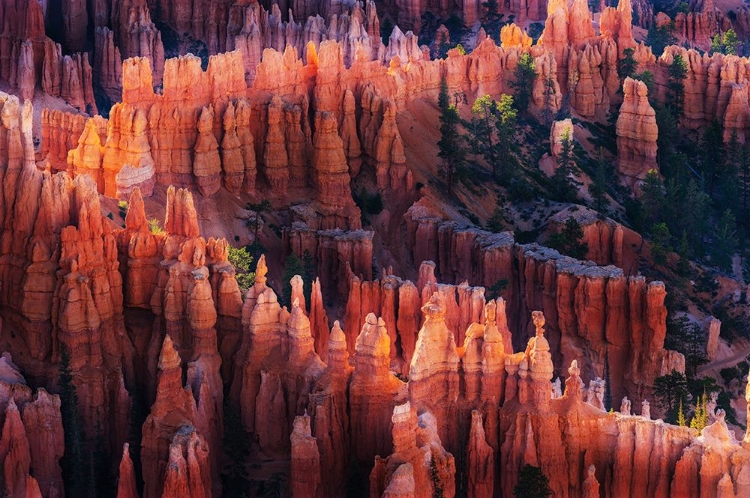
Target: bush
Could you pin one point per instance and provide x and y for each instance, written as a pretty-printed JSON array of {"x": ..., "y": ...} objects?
[{"x": 154, "y": 226}]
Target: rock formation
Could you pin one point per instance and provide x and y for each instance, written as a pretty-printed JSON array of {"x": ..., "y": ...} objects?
[{"x": 636, "y": 133}]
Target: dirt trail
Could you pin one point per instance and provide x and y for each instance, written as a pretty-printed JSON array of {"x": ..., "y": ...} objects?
[{"x": 725, "y": 362}]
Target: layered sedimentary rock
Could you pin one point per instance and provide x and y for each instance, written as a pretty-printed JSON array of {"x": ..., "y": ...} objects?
[
  {"x": 636, "y": 133},
  {"x": 332, "y": 176},
  {"x": 32, "y": 438},
  {"x": 275, "y": 366},
  {"x": 608, "y": 242},
  {"x": 373, "y": 392},
  {"x": 417, "y": 456}
]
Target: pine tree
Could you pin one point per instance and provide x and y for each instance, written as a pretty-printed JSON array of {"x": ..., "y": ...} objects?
[
  {"x": 730, "y": 42},
  {"x": 532, "y": 483},
  {"x": 700, "y": 417},
  {"x": 437, "y": 486},
  {"x": 677, "y": 73},
  {"x": 76, "y": 472},
  {"x": 660, "y": 243},
  {"x": 726, "y": 241},
  {"x": 483, "y": 110},
  {"x": 652, "y": 197},
  {"x": 598, "y": 187},
  {"x": 505, "y": 123},
  {"x": 627, "y": 66},
  {"x": 525, "y": 74},
  {"x": 259, "y": 208},
  {"x": 549, "y": 92},
  {"x": 450, "y": 145},
  {"x": 562, "y": 185},
  {"x": 309, "y": 274},
  {"x": 681, "y": 416},
  {"x": 569, "y": 240}
]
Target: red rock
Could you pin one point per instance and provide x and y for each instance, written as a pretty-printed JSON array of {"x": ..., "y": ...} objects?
[
  {"x": 305, "y": 474},
  {"x": 14, "y": 452},
  {"x": 108, "y": 64},
  {"x": 44, "y": 429},
  {"x": 32, "y": 488},
  {"x": 481, "y": 459},
  {"x": 416, "y": 444},
  {"x": 126, "y": 484}
]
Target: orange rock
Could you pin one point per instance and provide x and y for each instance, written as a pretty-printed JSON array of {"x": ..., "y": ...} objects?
[
  {"x": 416, "y": 448},
  {"x": 86, "y": 159},
  {"x": 207, "y": 163},
  {"x": 275, "y": 158},
  {"x": 332, "y": 175},
  {"x": 513, "y": 36},
  {"x": 636, "y": 133},
  {"x": 232, "y": 160},
  {"x": 372, "y": 390}
]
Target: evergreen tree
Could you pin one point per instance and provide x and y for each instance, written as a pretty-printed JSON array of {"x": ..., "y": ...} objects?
[
  {"x": 236, "y": 448},
  {"x": 627, "y": 66},
  {"x": 562, "y": 185},
  {"x": 647, "y": 77},
  {"x": 652, "y": 198},
  {"x": 683, "y": 250},
  {"x": 700, "y": 417},
  {"x": 717, "y": 45},
  {"x": 744, "y": 177},
  {"x": 292, "y": 266},
  {"x": 437, "y": 486},
  {"x": 76, "y": 471},
  {"x": 687, "y": 338},
  {"x": 309, "y": 274},
  {"x": 242, "y": 261},
  {"x": 731, "y": 42},
  {"x": 671, "y": 391},
  {"x": 549, "y": 92},
  {"x": 496, "y": 223},
  {"x": 666, "y": 122},
  {"x": 681, "y": 416},
  {"x": 598, "y": 187},
  {"x": 532, "y": 483},
  {"x": 505, "y": 123},
  {"x": 525, "y": 75},
  {"x": 659, "y": 37},
  {"x": 259, "y": 208},
  {"x": 569, "y": 240},
  {"x": 712, "y": 155},
  {"x": 483, "y": 122},
  {"x": 607, "y": 388},
  {"x": 726, "y": 241},
  {"x": 660, "y": 243},
  {"x": 677, "y": 73},
  {"x": 450, "y": 145}
]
